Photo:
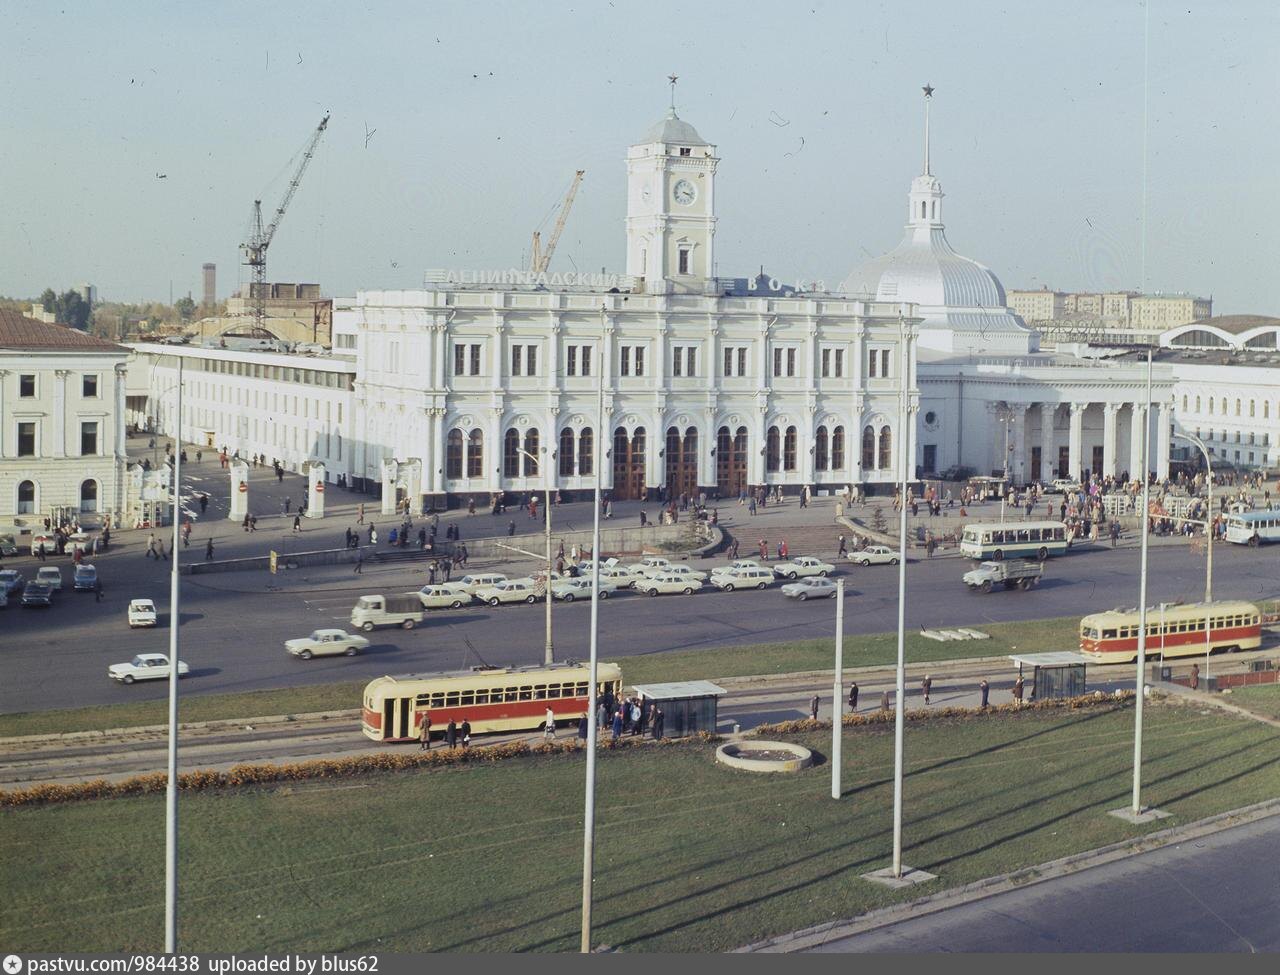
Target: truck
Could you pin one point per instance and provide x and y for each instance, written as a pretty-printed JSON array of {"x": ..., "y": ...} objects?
[
  {"x": 404, "y": 609},
  {"x": 1014, "y": 573}
]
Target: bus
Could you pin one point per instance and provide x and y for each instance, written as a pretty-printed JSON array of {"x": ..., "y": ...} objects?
[
  {"x": 1013, "y": 539},
  {"x": 491, "y": 699},
  {"x": 1253, "y": 527},
  {"x": 1172, "y": 631}
]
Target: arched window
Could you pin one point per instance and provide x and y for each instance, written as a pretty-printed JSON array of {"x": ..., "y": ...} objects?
[
  {"x": 1224, "y": 406},
  {"x": 511, "y": 454},
  {"x": 566, "y": 452},
  {"x": 27, "y": 498},
  {"x": 837, "y": 449},
  {"x": 933, "y": 209},
  {"x": 475, "y": 454},
  {"x": 1197, "y": 404},
  {"x": 886, "y": 448},
  {"x": 924, "y": 209},
  {"x": 88, "y": 496},
  {"x": 1253, "y": 406},
  {"x": 586, "y": 451},
  {"x": 1237, "y": 407},
  {"x": 1184, "y": 402},
  {"x": 868, "y": 449},
  {"x": 789, "y": 450},
  {"x": 772, "y": 451},
  {"x": 820, "y": 450},
  {"x": 453, "y": 455},
  {"x": 1266, "y": 410},
  {"x": 531, "y": 454}
]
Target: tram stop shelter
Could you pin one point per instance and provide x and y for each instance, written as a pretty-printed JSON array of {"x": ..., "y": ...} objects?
[
  {"x": 688, "y": 706},
  {"x": 1055, "y": 674}
]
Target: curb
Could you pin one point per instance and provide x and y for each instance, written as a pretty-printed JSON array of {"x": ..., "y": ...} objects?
[
  {"x": 1025, "y": 877},
  {"x": 217, "y": 724}
]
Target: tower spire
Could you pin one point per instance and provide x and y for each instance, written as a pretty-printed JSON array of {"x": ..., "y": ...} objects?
[
  {"x": 673, "y": 79},
  {"x": 928, "y": 97}
]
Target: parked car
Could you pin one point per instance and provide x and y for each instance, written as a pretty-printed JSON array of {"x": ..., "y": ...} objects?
[
  {"x": 470, "y": 583},
  {"x": 142, "y": 612},
  {"x": 686, "y": 571},
  {"x": 323, "y": 643},
  {"x": 1062, "y": 485},
  {"x": 44, "y": 542},
  {"x": 803, "y": 565},
  {"x": 874, "y": 555},
  {"x": 37, "y": 594},
  {"x": 8, "y": 543},
  {"x": 568, "y": 590},
  {"x": 755, "y": 578},
  {"x": 667, "y": 583},
  {"x": 79, "y": 542},
  {"x": 85, "y": 578},
  {"x": 12, "y": 581},
  {"x": 814, "y": 587},
  {"x": 51, "y": 575},
  {"x": 508, "y": 591},
  {"x": 440, "y": 597},
  {"x": 650, "y": 565},
  {"x": 734, "y": 566},
  {"x": 145, "y": 666}
]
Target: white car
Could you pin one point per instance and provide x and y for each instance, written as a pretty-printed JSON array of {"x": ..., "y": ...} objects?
[
  {"x": 142, "y": 612},
  {"x": 509, "y": 591},
  {"x": 442, "y": 597},
  {"x": 815, "y": 587},
  {"x": 1062, "y": 485},
  {"x": 875, "y": 555},
  {"x": 470, "y": 583},
  {"x": 686, "y": 572},
  {"x": 50, "y": 574},
  {"x": 327, "y": 643},
  {"x": 650, "y": 565},
  {"x": 803, "y": 565},
  {"x": 756, "y": 578},
  {"x": 734, "y": 566},
  {"x": 668, "y": 582},
  {"x": 619, "y": 575},
  {"x": 568, "y": 590},
  {"x": 145, "y": 666}
]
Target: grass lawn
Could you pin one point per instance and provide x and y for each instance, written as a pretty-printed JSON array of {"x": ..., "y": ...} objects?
[
  {"x": 732, "y": 661},
  {"x": 690, "y": 856},
  {"x": 1261, "y": 699}
]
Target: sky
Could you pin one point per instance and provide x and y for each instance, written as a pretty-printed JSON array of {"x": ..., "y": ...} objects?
[{"x": 456, "y": 129}]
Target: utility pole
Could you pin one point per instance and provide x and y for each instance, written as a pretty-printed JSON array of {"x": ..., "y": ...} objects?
[
  {"x": 1142, "y": 596},
  {"x": 171, "y": 789},
  {"x": 837, "y": 694},
  {"x": 901, "y": 682}
]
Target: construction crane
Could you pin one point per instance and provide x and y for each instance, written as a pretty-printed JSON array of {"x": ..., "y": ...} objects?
[
  {"x": 255, "y": 248},
  {"x": 541, "y": 259}
]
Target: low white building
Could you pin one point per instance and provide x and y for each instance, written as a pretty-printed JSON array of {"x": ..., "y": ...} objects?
[{"x": 62, "y": 427}]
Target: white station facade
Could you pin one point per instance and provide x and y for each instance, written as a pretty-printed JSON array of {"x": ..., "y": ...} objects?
[{"x": 485, "y": 382}]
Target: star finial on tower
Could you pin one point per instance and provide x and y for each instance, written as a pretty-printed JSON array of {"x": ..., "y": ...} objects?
[
  {"x": 928, "y": 97},
  {"x": 928, "y": 91},
  {"x": 673, "y": 79}
]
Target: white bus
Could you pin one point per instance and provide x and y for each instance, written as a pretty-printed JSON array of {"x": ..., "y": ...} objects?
[
  {"x": 1253, "y": 527},
  {"x": 1012, "y": 539}
]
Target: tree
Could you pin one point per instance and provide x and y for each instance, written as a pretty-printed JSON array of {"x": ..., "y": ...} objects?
[
  {"x": 73, "y": 310},
  {"x": 186, "y": 308},
  {"x": 49, "y": 300}
]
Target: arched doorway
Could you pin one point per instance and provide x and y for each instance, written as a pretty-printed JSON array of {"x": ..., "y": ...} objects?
[
  {"x": 731, "y": 461},
  {"x": 89, "y": 496},
  {"x": 682, "y": 462},
  {"x": 628, "y": 465}
]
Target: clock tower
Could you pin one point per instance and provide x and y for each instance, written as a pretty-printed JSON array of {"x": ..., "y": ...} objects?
[{"x": 671, "y": 221}]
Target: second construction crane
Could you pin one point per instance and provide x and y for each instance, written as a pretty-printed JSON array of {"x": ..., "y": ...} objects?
[
  {"x": 255, "y": 248},
  {"x": 541, "y": 259}
]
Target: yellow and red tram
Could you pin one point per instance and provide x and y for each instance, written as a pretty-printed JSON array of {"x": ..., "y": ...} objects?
[
  {"x": 493, "y": 699},
  {"x": 1172, "y": 631}
]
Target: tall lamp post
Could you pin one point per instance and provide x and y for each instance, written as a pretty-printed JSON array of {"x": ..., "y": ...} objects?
[
  {"x": 549, "y": 650},
  {"x": 1208, "y": 539}
]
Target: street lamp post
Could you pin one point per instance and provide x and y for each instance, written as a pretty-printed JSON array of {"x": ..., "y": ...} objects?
[
  {"x": 1208, "y": 540},
  {"x": 549, "y": 650},
  {"x": 901, "y": 680},
  {"x": 1142, "y": 596}
]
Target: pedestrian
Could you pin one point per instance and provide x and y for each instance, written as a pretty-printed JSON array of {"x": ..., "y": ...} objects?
[
  {"x": 1017, "y": 691},
  {"x": 813, "y": 707},
  {"x": 583, "y": 728},
  {"x": 40, "y": 552},
  {"x": 424, "y": 733},
  {"x": 151, "y": 546},
  {"x": 462, "y": 554},
  {"x": 853, "y": 697},
  {"x": 451, "y": 734},
  {"x": 297, "y": 524},
  {"x": 549, "y": 726},
  {"x": 1195, "y": 677},
  {"x": 360, "y": 512},
  {"x": 208, "y": 550},
  {"x": 926, "y": 685},
  {"x": 617, "y": 724},
  {"x": 97, "y": 591},
  {"x": 280, "y": 475},
  {"x": 160, "y": 548},
  {"x": 287, "y": 503},
  {"x": 465, "y": 731},
  {"x": 448, "y": 570},
  {"x": 843, "y": 551},
  {"x": 884, "y": 701},
  {"x": 985, "y": 688},
  {"x": 644, "y": 519},
  {"x": 764, "y": 550},
  {"x": 930, "y": 546},
  {"x": 471, "y": 506},
  {"x": 733, "y": 550},
  {"x": 659, "y": 722},
  {"x": 511, "y": 528},
  {"x": 359, "y": 569},
  {"x": 245, "y": 524},
  {"x": 204, "y": 502}
]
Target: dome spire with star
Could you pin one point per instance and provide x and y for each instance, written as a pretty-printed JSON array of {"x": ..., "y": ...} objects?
[{"x": 928, "y": 97}]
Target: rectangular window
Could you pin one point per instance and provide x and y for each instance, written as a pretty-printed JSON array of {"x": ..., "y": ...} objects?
[
  {"x": 26, "y": 439},
  {"x": 777, "y": 362},
  {"x": 884, "y": 363},
  {"x": 742, "y": 361},
  {"x": 677, "y": 362},
  {"x": 728, "y": 361},
  {"x": 89, "y": 387},
  {"x": 531, "y": 360},
  {"x": 683, "y": 267},
  {"x": 826, "y": 363},
  {"x": 791, "y": 362},
  {"x": 459, "y": 360},
  {"x": 89, "y": 438},
  {"x": 586, "y": 360},
  {"x": 691, "y": 355},
  {"x": 626, "y": 360},
  {"x": 571, "y": 361},
  {"x": 871, "y": 364},
  {"x": 27, "y": 385},
  {"x": 839, "y": 363},
  {"x": 475, "y": 360},
  {"x": 639, "y": 360},
  {"x": 517, "y": 357}
]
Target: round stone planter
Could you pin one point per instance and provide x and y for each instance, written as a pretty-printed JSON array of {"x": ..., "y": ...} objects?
[{"x": 764, "y": 756}]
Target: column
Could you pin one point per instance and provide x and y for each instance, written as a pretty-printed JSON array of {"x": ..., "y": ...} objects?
[
  {"x": 1109, "y": 412},
  {"x": 120, "y": 418},
  {"x": 853, "y": 436},
  {"x": 1137, "y": 420},
  {"x": 549, "y": 463},
  {"x": 756, "y": 448},
  {"x": 1075, "y": 441},
  {"x": 439, "y": 352},
  {"x": 707, "y": 443},
  {"x": 1162, "y": 441},
  {"x": 805, "y": 443},
  {"x": 435, "y": 455},
  {"x": 4, "y": 379},
  {"x": 1048, "y": 453},
  {"x": 60, "y": 413},
  {"x": 493, "y": 450},
  {"x": 1018, "y": 441}
]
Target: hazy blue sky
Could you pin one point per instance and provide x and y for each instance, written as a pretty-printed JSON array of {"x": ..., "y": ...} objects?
[{"x": 483, "y": 110}]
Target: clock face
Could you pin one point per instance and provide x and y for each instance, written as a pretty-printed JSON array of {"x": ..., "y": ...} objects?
[{"x": 684, "y": 192}]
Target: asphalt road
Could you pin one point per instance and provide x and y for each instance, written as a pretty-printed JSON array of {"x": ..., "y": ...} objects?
[
  {"x": 1213, "y": 894},
  {"x": 234, "y": 626}
]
